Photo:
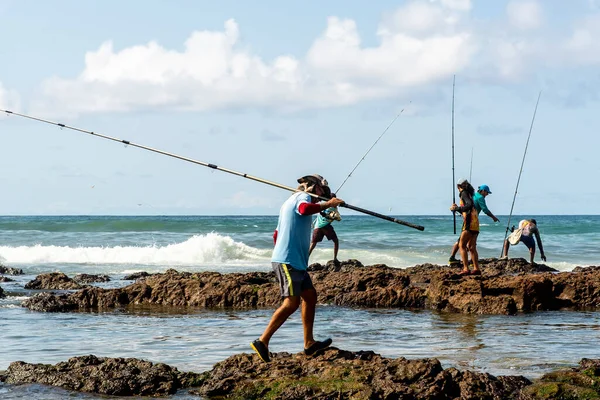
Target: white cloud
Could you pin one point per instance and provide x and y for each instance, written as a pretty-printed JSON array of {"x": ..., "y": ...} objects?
[
  {"x": 419, "y": 44},
  {"x": 400, "y": 61},
  {"x": 9, "y": 100},
  {"x": 582, "y": 46},
  {"x": 462, "y": 5},
  {"x": 524, "y": 14}
]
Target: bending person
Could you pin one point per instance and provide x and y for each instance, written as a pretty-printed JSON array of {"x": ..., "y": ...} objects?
[
  {"x": 528, "y": 227},
  {"x": 467, "y": 242},
  {"x": 290, "y": 263}
]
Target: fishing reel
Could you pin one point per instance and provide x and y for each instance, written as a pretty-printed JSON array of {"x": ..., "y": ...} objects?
[{"x": 334, "y": 215}]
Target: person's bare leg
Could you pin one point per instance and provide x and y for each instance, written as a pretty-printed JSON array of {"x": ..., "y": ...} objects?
[
  {"x": 531, "y": 255},
  {"x": 312, "y": 247},
  {"x": 336, "y": 247},
  {"x": 505, "y": 250},
  {"x": 474, "y": 253},
  {"x": 464, "y": 255},
  {"x": 288, "y": 307},
  {"x": 309, "y": 305},
  {"x": 454, "y": 250}
]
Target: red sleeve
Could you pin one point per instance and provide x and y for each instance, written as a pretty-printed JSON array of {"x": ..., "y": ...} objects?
[
  {"x": 309, "y": 208},
  {"x": 275, "y": 237}
]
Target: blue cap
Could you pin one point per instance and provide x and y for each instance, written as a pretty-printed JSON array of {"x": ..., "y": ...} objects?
[{"x": 486, "y": 188}]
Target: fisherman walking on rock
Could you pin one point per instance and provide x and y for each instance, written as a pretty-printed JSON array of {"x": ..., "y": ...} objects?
[{"x": 290, "y": 262}]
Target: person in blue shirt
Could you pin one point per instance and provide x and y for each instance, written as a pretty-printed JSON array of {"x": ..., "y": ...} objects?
[
  {"x": 290, "y": 262},
  {"x": 323, "y": 228},
  {"x": 480, "y": 205}
]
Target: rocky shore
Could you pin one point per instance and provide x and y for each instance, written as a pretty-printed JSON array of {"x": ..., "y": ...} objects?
[
  {"x": 109, "y": 376},
  {"x": 330, "y": 374},
  {"x": 506, "y": 287}
]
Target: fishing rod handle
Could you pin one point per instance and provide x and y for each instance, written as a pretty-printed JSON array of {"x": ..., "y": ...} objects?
[{"x": 387, "y": 218}]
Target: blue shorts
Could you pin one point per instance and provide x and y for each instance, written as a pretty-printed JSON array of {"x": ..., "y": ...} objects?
[{"x": 528, "y": 241}]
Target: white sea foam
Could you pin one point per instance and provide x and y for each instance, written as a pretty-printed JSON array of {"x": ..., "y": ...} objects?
[{"x": 199, "y": 249}]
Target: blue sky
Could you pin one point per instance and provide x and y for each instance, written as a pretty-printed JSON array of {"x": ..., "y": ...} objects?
[{"x": 282, "y": 90}]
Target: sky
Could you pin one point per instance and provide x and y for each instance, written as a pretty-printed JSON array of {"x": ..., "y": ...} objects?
[{"x": 279, "y": 90}]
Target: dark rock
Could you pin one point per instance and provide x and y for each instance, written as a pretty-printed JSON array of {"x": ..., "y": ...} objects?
[
  {"x": 591, "y": 268},
  {"x": 489, "y": 267},
  {"x": 2, "y": 293},
  {"x": 10, "y": 271},
  {"x": 506, "y": 287},
  {"x": 330, "y": 374},
  {"x": 49, "y": 302},
  {"x": 53, "y": 281},
  {"x": 512, "y": 266},
  {"x": 108, "y": 376},
  {"x": 5, "y": 279},
  {"x": 136, "y": 275},
  {"x": 206, "y": 289},
  {"x": 339, "y": 374},
  {"x": 333, "y": 266},
  {"x": 84, "y": 279},
  {"x": 581, "y": 382}
]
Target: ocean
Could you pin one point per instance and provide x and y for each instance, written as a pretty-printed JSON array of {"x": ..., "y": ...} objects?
[{"x": 195, "y": 339}]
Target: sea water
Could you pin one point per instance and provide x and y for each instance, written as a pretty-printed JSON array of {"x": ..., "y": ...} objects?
[{"x": 195, "y": 339}]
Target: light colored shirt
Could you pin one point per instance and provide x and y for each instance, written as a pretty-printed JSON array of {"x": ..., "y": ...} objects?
[
  {"x": 293, "y": 233},
  {"x": 322, "y": 221},
  {"x": 528, "y": 227}
]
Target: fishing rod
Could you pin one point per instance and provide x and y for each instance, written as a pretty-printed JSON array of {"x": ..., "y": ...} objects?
[
  {"x": 471, "y": 168},
  {"x": 213, "y": 166},
  {"x": 520, "y": 171},
  {"x": 370, "y": 148},
  {"x": 453, "y": 177}
]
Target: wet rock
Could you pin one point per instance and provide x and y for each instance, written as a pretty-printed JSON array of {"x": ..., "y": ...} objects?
[
  {"x": 506, "y": 287},
  {"x": 512, "y": 266},
  {"x": 5, "y": 279},
  {"x": 333, "y": 266},
  {"x": 2, "y": 293},
  {"x": 53, "y": 281},
  {"x": 136, "y": 275},
  {"x": 50, "y": 302},
  {"x": 10, "y": 271},
  {"x": 591, "y": 268},
  {"x": 489, "y": 267},
  {"x": 339, "y": 374},
  {"x": 582, "y": 382},
  {"x": 84, "y": 279},
  {"x": 108, "y": 376}
]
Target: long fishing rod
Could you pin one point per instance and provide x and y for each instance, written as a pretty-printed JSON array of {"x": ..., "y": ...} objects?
[
  {"x": 213, "y": 166},
  {"x": 521, "y": 170},
  {"x": 453, "y": 177},
  {"x": 471, "y": 168},
  {"x": 370, "y": 148}
]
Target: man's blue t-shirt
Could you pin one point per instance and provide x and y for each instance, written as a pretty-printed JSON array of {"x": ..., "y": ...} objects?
[
  {"x": 293, "y": 233},
  {"x": 479, "y": 203}
]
